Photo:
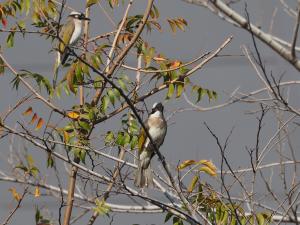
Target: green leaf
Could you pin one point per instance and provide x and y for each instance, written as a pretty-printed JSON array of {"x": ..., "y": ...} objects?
[
  {"x": 225, "y": 217},
  {"x": 98, "y": 82},
  {"x": 38, "y": 216},
  {"x": 168, "y": 216},
  {"x": 215, "y": 95},
  {"x": 104, "y": 103},
  {"x": 22, "y": 167},
  {"x": 180, "y": 88},
  {"x": 91, "y": 2},
  {"x": 122, "y": 85},
  {"x": 111, "y": 96},
  {"x": 117, "y": 94},
  {"x": 50, "y": 161},
  {"x": 2, "y": 66},
  {"x": 170, "y": 91},
  {"x": 78, "y": 73},
  {"x": 69, "y": 128},
  {"x": 85, "y": 69},
  {"x": 10, "y": 40},
  {"x": 21, "y": 24},
  {"x": 233, "y": 220},
  {"x": 34, "y": 171},
  {"x": 177, "y": 221},
  {"x": 260, "y": 219},
  {"x": 201, "y": 93},
  {"x": 85, "y": 125},
  {"x": 126, "y": 139},
  {"x": 120, "y": 139},
  {"x": 109, "y": 138},
  {"x": 25, "y": 5},
  {"x": 134, "y": 141},
  {"x": 96, "y": 61},
  {"x": 243, "y": 220},
  {"x": 101, "y": 207},
  {"x": 82, "y": 155}
]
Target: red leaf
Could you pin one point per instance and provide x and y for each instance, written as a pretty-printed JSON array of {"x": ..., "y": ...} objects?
[
  {"x": 39, "y": 124},
  {"x": 4, "y": 22},
  {"x": 33, "y": 119},
  {"x": 27, "y": 112}
]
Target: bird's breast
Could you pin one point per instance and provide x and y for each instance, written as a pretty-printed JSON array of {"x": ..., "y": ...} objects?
[
  {"x": 77, "y": 32},
  {"x": 157, "y": 132}
]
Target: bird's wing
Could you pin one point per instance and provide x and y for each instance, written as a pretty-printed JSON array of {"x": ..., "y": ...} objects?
[
  {"x": 65, "y": 36},
  {"x": 142, "y": 138}
]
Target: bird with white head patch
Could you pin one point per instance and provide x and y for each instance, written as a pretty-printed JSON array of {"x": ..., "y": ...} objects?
[
  {"x": 69, "y": 35},
  {"x": 157, "y": 128}
]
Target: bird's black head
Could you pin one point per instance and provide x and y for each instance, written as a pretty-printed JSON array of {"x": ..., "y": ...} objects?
[
  {"x": 157, "y": 107},
  {"x": 79, "y": 16}
]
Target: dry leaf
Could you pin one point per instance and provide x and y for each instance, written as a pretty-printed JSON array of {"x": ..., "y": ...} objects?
[
  {"x": 33, "y": 119},
  {"x": 15, "y": 194},
  {"x": 27, "y": 112},
  {"x": 39, "y": 124},
  {"x": 159, "y": 58},
  {"x": 175, "y": 64}
]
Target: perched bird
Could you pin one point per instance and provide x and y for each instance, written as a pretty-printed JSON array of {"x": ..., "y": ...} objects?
[
  {"x": 157, "y": 128},
  {"x": 69, "y": 35}
]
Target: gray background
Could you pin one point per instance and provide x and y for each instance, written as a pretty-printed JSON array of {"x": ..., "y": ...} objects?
[{"x": 187, "y": 137}]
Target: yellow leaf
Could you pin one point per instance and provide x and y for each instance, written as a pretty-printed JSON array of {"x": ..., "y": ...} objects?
[
  {"x": 39, "y": 124},
  {"x": 15, "y": 194},
  {"x": 141, "y": 140},
  {"x": 73, "y": 115},
  {"x": 193, "y": 184},
  {"x": 66, "y": 136},
  {"x": 208, "y": 171},
  {"x": 37, "y": 192},
  {"x": 186, "y": 163},
  {"x": 27, "y": 112},
  {"x": 183, "y": 21},
  {"x": 209, "y": 164},
  {"x": 172, "y": 25}
]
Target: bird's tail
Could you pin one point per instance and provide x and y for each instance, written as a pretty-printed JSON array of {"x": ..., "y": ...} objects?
[
  {"x": 143, "y": 176},
  {"x": 55, "y": 71},
  {"x": 65, "y": 56}
]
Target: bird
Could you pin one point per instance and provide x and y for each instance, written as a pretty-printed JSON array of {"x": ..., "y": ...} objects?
[
  {"x": 157, "y": 128},
  {"x": 69, "y": 35}
]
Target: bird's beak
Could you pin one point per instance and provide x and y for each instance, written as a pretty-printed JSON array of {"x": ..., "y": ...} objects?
[{"x": 86, "y": 18}]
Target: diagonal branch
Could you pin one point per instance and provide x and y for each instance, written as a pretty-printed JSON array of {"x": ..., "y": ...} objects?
[
  {"x": 295, "y": 35},
  {"x": 122, "y": 55},
  {"x": 243, "y": 23},
  {"x": 29, "y": 87}
]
